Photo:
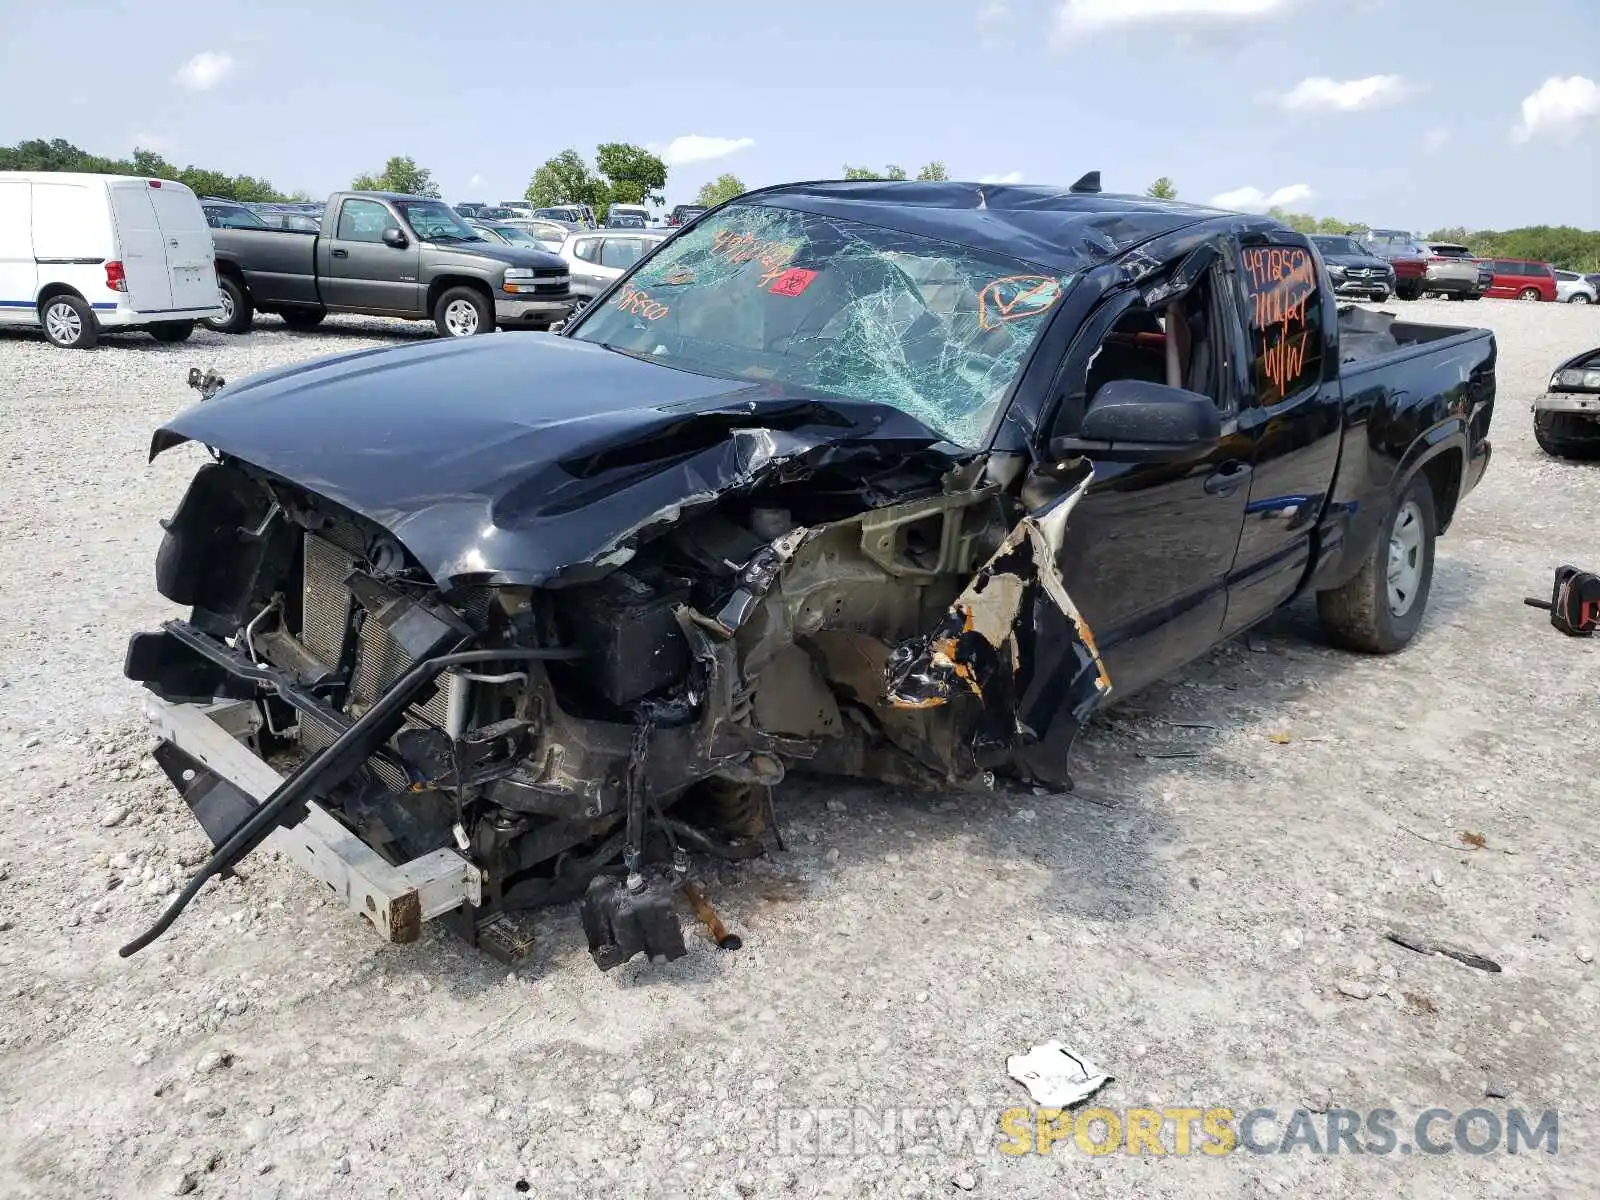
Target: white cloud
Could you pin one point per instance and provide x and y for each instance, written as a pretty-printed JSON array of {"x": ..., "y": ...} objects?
[
  {"x": 1558, "y": 108},
  {"x": 1321, "y": 94},
  {"x": 204, "y": 71},
  {"x": 475, "y": 181},
  {"x": 693, "y": 148},
  {"x": 1077, "y": 17},
  {"x": 1436, "y": 140},
  {"x": 1253, "y": 199},
  {"x": 1008, "y": 177}
]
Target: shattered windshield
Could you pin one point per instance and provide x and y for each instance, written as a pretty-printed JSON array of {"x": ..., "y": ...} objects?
[{"x": 932, "y": 328}]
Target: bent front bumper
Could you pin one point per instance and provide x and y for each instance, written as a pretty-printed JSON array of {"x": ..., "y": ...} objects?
[{"x": 396, "y": 900}]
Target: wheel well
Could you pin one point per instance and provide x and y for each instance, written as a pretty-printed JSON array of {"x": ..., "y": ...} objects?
[
  {"x": 1443, "y": 473},
  {"x": 440, "y": 286},
  {"x": 232, "y": 271},
  {"x": 51, "y": 291}
]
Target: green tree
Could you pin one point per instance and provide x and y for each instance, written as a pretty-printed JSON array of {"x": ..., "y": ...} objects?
[
  {"x": 723, "y": 187},
  {"x": 889, "y": 172},
  {"x": 633, "y": 175},
  {"x": 400, "y": 174},
  {"x": 566, "y": 179},
  {"x": 933, "y": 172},
  {"x": 1162, "y": 189}
]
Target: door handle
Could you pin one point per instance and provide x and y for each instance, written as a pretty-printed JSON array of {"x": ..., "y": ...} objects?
[
  {"x": 1226, "y": 481},
  {"x": 341, "y": 254},
  {"x": 173, "y": 242}
]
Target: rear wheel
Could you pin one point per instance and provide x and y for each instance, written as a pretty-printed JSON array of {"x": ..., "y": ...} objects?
[
  {"x": 1529, "y": 294},
  {"x": 172, "y": 331},
  {"x": 302, "y": 318},
  {"x": 463, "y": 312},
  {"x": 1381, "y": 608},
  {"x": 237, "y": 313},
  {"x": 1407, "y": 292},
  {"x": 1566, "y": 436},
  {"x": 69, "y": 322},
  {"x": 1578, "y": 298}
]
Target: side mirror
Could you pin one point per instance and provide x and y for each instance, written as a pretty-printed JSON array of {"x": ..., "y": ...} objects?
[
  {"x": 1132, "y": 420},
  {"x": 395, "y": 237}
]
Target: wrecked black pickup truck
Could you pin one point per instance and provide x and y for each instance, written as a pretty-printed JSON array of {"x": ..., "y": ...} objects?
[{"x": 888, "y": 480}]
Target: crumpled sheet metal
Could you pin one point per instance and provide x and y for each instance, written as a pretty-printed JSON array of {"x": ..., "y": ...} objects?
[
  {"x": 1055, "y": 1076},
  {"x": 980, "y": 645}
]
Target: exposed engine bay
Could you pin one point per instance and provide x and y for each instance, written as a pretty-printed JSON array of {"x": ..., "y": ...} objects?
[{"x": 784, "y": 628}]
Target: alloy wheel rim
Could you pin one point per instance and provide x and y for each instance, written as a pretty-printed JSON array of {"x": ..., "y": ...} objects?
[
  {"x": 226, "y": 302},
  {"x": 1404, "y": 574},
  {"x": 62, "y": 323}
]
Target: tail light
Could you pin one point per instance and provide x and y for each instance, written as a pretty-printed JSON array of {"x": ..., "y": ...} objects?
[{"x": 116, "y": 277}]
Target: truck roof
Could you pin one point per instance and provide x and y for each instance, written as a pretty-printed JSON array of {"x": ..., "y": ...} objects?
[{"x": 1053, "y": 227}]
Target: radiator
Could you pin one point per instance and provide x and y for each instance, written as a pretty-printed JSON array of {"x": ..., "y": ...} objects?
[{"x": 327, "y": 606}]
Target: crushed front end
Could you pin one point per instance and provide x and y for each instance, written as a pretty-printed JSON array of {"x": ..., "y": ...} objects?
[{"x": 608, "y": 731}]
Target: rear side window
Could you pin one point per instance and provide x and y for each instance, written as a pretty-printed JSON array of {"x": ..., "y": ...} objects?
[
  {"x": 1283, "y": 321},
  {"x": 364, "y": 221},
  {"x": 1540, "y": 270},
  {"x": 621, "y": 253}
]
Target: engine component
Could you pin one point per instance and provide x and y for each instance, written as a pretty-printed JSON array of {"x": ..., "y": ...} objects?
[
  {"x": 625, "y": 624},
  {"x": 622, "y": 918}
]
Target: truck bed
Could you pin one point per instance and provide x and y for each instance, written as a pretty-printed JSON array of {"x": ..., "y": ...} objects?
[
  {"x": 1368, "y": 338},
  {"x": 278, "y": 264}
]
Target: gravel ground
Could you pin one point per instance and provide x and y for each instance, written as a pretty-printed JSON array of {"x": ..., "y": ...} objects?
[{"x": 1208, "y": 928}]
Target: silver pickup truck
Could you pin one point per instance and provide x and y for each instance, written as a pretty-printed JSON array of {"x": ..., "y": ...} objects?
[{"x": 382, "y": 254}]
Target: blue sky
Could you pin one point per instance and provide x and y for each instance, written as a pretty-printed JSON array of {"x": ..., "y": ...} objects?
[{"x": 1409, "y": 113}]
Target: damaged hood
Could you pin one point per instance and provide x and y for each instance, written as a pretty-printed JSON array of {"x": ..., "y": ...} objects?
[{"x": 515, "y": 458}]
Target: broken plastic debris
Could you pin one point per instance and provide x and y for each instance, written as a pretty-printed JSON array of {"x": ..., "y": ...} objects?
[{"x": 1055, "y": 1076}]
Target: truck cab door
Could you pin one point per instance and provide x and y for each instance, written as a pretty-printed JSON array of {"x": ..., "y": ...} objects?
[
  {"x": 1292, "y": 413},
  {"x": 1148, "y": 546},
  {"x": 372, "y": 261}
]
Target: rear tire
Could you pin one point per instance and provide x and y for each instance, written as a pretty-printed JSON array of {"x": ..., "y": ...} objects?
[
  {"x": 1381, "y": 608},
  {"x": 1407, "y": 292},
  {"x": 172, "y": 331},
  {"x": 1529, "y": 294},
  {"x": 463, "y": 312},
  {"x": 1578, "y": 298},
  {"x": 69, "y": 323},
  {"x": 302, "y": 318},
  {"x": 1555, "y": 434},
  {"x": 237, "y": 314}
]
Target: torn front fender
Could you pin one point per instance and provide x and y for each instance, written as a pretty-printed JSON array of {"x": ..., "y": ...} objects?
[{"x": 1012, "y": 629}]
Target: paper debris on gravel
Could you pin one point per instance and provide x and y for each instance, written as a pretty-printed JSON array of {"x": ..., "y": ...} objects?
[{"x": 1055, "y": 1076}]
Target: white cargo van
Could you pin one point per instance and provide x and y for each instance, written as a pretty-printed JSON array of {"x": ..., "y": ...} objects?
[{"x": 82, "y": 253}]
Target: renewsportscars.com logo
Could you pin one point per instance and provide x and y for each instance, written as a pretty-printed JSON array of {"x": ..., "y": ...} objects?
[{"x": 1176, "y": 1131}]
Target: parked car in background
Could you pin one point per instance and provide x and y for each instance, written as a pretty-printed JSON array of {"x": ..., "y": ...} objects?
[
  {"x": 682, "y": 214},
  {"x": 1355, "y": 270},
  {"x": 1594, "y": 280},
  {"x": 618, "y": 213},
  {"x": 597, "y": 259},
  {"x": 1566, "y": 419},
  {"x": 82, "y": 253},
  {"x": 1451, "y": 270},
  {"x": 388, "y": 255},
  {"x": 469, "y": 208},
  {"x": 1523, "y": 279},
  {"x": 578, "y": 215},
  {"x": 523, "y": 208},
  {"x": 295, "y": 222},
  {"x": 551, "y": 235},
  {"x": 1572, "y": 288},
  {"x": 513, "y": 233},
  {"x": 1400, "y": 250}
]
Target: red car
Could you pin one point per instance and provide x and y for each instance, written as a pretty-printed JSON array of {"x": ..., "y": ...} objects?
[{"x": 1521, "y": 279}]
